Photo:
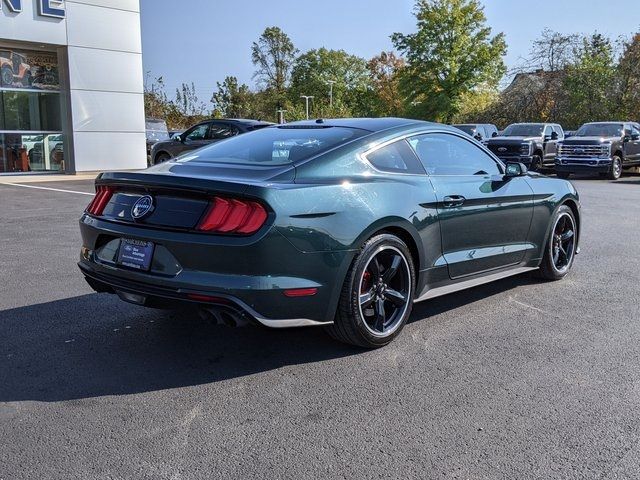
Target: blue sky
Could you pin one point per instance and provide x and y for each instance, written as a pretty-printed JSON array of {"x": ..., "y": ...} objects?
[{"x": 205, "y": 40}]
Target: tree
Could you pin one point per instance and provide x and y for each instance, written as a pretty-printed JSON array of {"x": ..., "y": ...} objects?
[
  {"x": 384, "y": 70},
  {"x": 312, "y": 73},
  {"x": 232, "y": 100},
  {"x": 273, "y": 55},
  {"x": 590, "y": 82},
  {"x": 451, "y": 53},
  {"x": 628, "y": 72}
]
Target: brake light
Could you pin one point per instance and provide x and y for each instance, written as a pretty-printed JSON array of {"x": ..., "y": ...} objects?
[
  {"x": 230, "y": 215},
  {"x": 103, "y": 195}
]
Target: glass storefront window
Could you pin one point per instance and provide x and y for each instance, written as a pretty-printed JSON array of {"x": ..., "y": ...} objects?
[
  {"x": 30, "y": 112},
  {"x": 31, "y": 152}
]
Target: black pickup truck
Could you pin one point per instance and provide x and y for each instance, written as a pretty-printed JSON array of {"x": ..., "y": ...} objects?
[
  {"x": 606, "y": 148},
  {"x": 534, "y": 144}
]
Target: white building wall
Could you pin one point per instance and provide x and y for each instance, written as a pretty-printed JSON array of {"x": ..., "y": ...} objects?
[
  {"x": 106, "y": 84},
  {"x": 105, "y": 77}
]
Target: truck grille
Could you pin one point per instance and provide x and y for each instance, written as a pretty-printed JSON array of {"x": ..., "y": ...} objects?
[
  {"x": 505, "y": 149},
  {"x": 583, "y": 151}
]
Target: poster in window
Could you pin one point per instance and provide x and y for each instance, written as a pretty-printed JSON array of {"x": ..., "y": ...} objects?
[{"x": 28, "y": 69}]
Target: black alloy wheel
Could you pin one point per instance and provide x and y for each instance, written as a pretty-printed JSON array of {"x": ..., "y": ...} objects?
[
  {"x": 385, "y": 286},
  {"x": 562, "y": 245},
  {"x": 377, "y": 295}
]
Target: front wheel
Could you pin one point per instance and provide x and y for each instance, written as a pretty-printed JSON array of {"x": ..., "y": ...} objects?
[
  {"x": 561, "y": 246},
  {"x": 536, "y": 163},
  {"x": 377, "y": 296},
  {"x": 161, "y": 158},
  {"x": 616, "y": 168}
]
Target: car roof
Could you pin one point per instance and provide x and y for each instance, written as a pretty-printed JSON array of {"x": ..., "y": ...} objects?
[
  {"x": 370, "y": 124},
  {"x": 246, "y": 121}
]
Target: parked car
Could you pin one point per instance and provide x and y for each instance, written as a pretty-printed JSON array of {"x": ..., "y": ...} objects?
[
  {"x": 357, "y": 221},
  {"x": 201, "y": 135},
  {"x": 14, "y": 69},
  {"x": 605, "y": 148},
  {"x": 156, "y": 131},
  {"x": 533, "y": 144},
  {"x": 480, "y": 131}
]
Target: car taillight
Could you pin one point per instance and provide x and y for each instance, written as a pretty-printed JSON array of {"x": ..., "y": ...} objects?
[
  {"x": 103, "y": 195},
  {"x": 229, "y": 215}
]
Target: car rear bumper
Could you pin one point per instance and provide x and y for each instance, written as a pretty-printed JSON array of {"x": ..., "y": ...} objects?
[{"x": 188, "y": 268}]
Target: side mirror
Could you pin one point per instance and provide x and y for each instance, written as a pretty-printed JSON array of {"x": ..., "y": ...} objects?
[
  {"x": 515, "y": 169},
  {"x": 494, "y": 134},
  {"x": 635, "y": 137},
  {"x": 178, "y": 138},
  {"x": 626, "y": 138},
  {"x": 554, "y": 136},
  {"x": 478, "y": 137}
]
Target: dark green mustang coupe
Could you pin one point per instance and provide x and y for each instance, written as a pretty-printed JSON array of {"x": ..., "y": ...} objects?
[{"x": 340, "y": 223}]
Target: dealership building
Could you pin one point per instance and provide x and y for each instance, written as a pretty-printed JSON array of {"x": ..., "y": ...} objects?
[{"x": 71, "y": 86}]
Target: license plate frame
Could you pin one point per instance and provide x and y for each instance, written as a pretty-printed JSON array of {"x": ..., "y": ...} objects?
[{"x": 135, "y": 254}]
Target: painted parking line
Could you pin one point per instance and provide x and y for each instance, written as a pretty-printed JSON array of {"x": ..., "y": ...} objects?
[{"x": 49, "y": 188}]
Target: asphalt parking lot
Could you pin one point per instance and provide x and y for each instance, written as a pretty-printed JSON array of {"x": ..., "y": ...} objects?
[{"x": 517, "y": 379}]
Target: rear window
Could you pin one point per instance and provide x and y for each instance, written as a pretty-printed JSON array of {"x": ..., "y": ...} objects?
[{"x": 276, "y": 145}]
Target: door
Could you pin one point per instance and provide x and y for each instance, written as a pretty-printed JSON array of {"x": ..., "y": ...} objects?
[
  {"x": 195, "y": 137},
  {"x": 632, "y": 146},
  {"x": 550, "y": 139},
  {"x": 484, "y": 218}
]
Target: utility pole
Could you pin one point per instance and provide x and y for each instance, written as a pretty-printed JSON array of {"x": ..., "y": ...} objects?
[
  {"x": 280, "y": 112},
  {"x": 331, "y": 82},
  {"x": 306, "y": 100}
]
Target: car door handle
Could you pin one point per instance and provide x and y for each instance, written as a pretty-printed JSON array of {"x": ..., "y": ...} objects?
[{"x": 453, "y": 200}]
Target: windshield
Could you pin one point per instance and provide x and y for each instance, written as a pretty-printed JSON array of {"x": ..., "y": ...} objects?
[
  {"x": 521, "y": 130},
  {"x": 600, "y": 130},
  {"x": 469, "y": 129},
  {"x": 156, "y": 130},
  {"x": 276, "y": 146}
]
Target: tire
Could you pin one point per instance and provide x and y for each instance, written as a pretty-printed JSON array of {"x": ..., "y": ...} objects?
[
  {"x": 563, "y": 175},
  {"x": 616, "y": 168},
  {"x": 556, "y": 265},
  {"x": 7, "y": 77},
  {"x": 536, "y": 163},
  {"x": 161, "y": 158},
  {"x": 371, "y": 288}
]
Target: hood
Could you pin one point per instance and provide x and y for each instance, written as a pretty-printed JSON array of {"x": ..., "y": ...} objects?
[{"x": 588, "y": 140}]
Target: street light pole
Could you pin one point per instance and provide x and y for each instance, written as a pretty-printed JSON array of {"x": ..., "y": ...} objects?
[
  {"x": 331, "y": 82},
  {"x": 306, "y": 100}
]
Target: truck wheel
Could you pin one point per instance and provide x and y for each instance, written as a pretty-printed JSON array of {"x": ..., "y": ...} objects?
[
  {"x": 377, "y": 296},
  {"x": 563, "y": 175},
  {"x": 7, "y": 77},
  {"x": 536, "y": 163},
  {"x": 616, "y": 168}
]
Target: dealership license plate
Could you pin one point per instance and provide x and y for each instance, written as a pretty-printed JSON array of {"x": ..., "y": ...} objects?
[{"x": 135, "y": 254}]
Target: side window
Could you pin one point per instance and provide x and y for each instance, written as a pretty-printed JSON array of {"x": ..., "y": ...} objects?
[
  {"x": 445, "y": 154},
  {"x": 635, "y": 130},
  {"x": 397, "y": 157},
  {"x": 220, "y": 131},
  {"x": 559, "y": 131},
  {"x": 198, "y": 132},
  {"x": 547, "y": 131}
]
